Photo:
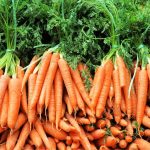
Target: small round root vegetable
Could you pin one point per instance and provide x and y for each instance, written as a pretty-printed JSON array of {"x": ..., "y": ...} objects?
[{"x": 122, "y": 144}]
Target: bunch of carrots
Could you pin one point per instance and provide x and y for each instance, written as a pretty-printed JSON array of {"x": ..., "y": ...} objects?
[{"x": 48, "y": 106}]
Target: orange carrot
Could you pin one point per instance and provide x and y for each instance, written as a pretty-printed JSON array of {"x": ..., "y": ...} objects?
[
  {"x": 41, "y": 132},
  {"x": 122, "y": 73},
  {"x": 99, "y": 133},
  {"x": 35, "y": 137},
  {"x": 20, "y": 75},
  {"x": 142, "y": 95},
  {"x": 66, "y": 126},
  {"x": 98, "y": 86},
  {"x": 105, "y": 90},
  {"x": 129, "y": 128},
  {"x": 4, "y": 80},
  {"x": 58, "y": 90},
  {"x": 11, "y": 140},
  {"x": 65, "y": 72},
  {"x": 61, "y": 146},
  {"x": 146, "y": 121},
  {"x": 23, "y": 136},
  {"x": 133, "y": 146},
  {"x": 39, "y": 84},
  {"x": 111, "y": 141},
  {"x": 136, "y": 80},
  {"x": 147, "y": 132},
  {"x": 117, "y": 102},
  {"x": 14, "y": 101},
  {"x": 115, "y": 131},
  {"x": 89, "y": 128},
  {"x": 30, "y": 69},
  {"x": 74, "y": 136},
  {"x": 147, "y": 111},
  {"x": 53, "y": 143},
  {"x": 82, "y": 120},
  {"x": 89, "y": 136},
  {"x": 3, "y": 146},
  {"x": 68, "y": 148},
  {"x": 111, "y": 91},
  {"x": 128, "y": 139},
  {"x": 122, "y": 144},
  {"x": 142, "y": 144},
  {"x": 28, "y": 147},
  {"x": 104, "y": 148},
  {"x": 1, "y": 72},
  {"x": 123, "y": 105},
  {"x": 67, "y": 101},
  {"x": 75, "y": 145},
  {"x": 101, "y": 123},
  {"x": 63, "y": 110},
  {"x": 134, "y": 103},
  {"x": 92, "y": 119},
  {"x": 51, "y": 130},
  {"x": 51, "y": 107},
  {"x": 4, "y": 111},
  {"x": 148, "y": 70},
  {"x": 123, "y": 123},
  {"x": 68, "y": 140}
]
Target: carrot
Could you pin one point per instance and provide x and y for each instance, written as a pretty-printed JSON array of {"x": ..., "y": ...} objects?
[
  {"x": 11, "y": 140},
  {"x": 35, "y": 137},
  {"x": 110, "y": 103},
  {"x": 65, "y": 72},
  {"x": 80, "y": 102},
  {"x": 74, "y": 136},
  {"x": 28, "y": 147},
  {"x": 1, "y": 72},
  {"x": 111, "y": 141},
  {"x": 128, "y": 139},
  {"x": 51, "y": 107},
  {"x": 148, "y": 70},
  {"x": 129, "y": 128},
  {"x": 83, "y": 139},
  {"x": 122, "y": 144},
  {"x": 121, "y": 68},
  {"x": 68, "y": 148},
  {"x": 61, "y": 146},
  {"x": 98, "y": 86},
  {"x": 66, "y": 126},
  {"x": 108, "y": 123},
  {"x": 142, "y": 144},
  {"x": 147, "y": 111},
  {"x": 146, "y": 121},
  {"x": 4, "y": 80},
  {"x": 68, "y": 140},
  {"x": 4, "y": 111},
  {"x": 134, "y": 103},
  {"x": 111, "y": 91},
  {"x": 53, "y": 143},
  {"x": 98, "y": 133},
  {"x": 89, "y": 136},
  {"x": 115, "y": 131},
  {"x": 89, "y": 128},
  {"x": 41, "y": 132},
  {"x": 14, "y": 101},
  {"x": 82, "y": 120},
  {"x": 75, "y": 145},
  {"x": 63, "y": 110},
  {"x": 123, "y": 105},
  {"x": 147, "y": 132},
  {"x": 39, "y": 83},
  {"x": 3, "y": 146},
  {"x": 41, "y": 148},
  {"x": 58, "y": 90},
  {"x": 136, "y": 80},
  {"x": 92, "y": 119},
  {"x": 142, "y": 95},
  {"x": 105, "y": 90},
  {"x": 67, "y": 101},
  {"x": 117, "y": 102},
  {"x": 133, "y": 146},
  {"x": 93, "y": 147},
  {"x": 29, "y": 70},
  {"x": 101, "y": 123},
  {"x": 104, "y": 148},
  {"x": 51, "y": 130},
  {"x": 23, "y": 136},
  {"x": 123, "y": 123}
]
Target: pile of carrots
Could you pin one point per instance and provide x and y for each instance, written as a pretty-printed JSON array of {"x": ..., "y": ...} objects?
[{"x": 48, "y": 106}]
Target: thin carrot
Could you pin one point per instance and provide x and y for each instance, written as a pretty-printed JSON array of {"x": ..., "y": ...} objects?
[
  {"x": 105, "y": 90},
  {"x": 14, "y": 101},
  {"x": 142, "y": 144},
  {"x": 61, "y": 146},
  {"x": 98, "y": 133},
  {"x": 122, "y": 73},
  {"x": 20, "y": 75},
  {"x": 4, "y": 111},
  {"x": 11, "y": 140},
  {"x": 146, "y": 121},
  {"x": 79, "y": 83},
  {"x": 29, "y": 70},
  {"x": 22, "y": 137},
  {"x": 123, "y": 105},
  {"x": 35, "y": 137},
  {"x": 65, "y": 72},
  {"x": 117, "y": 102},
  {"x": 66, "y": 126},
  {"x": 111, "y": 91},
  {"x": 136, "y": 80},
  {"x": 98, "y": 86},
  {"x": 51, "y": 130},
  {"x": 53, "y": 143},
  {"x": 41, "y": 132},
  {"x": 67, "y": 101},
  {"x": 134, "y": 103},
  {"x": 142, "y": 95},
  {"x": 58, "y": 91},
  {"x": 4, "y": 80},
  {"x": 51, "y": 107}
]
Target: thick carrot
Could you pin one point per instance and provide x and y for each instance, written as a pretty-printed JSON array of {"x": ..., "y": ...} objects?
[
  {"x": 121, "y": 68},
  {"x": 66, "y": 126},
  {"x": 28, "y": 147},
  {"x": 105, "y": 90},
  {"x": 51, "y": 130},
  {"x": 22, "y": 118},
  {"x": 122, "y": 144},
  {"x": 133, "y": 146},
  {"x": 4, "y": 111},
  {"x": 61, "y": 146},
  {"x": 98, "y": 86},
  {"x": 111, "y": 141},
  {"x": 146, "y": 121},
  {"x": 4, "y": 80},
  {"x": 117, "y": 102},
  {"x": 147, "y": 111},
  {"x": 41, "y": 132},
  {"x": 23, "y": 136},
  {"x": 51, "y": 75},
  {"x": 115, "y": 131},
  {"x": 53, "y": 143},
  {"x": 65, "y": 72},
  {"x": 39, "y": 84},
  {"x": 134, "y": 103},
  {"x": 128, "y": 139},
  {"x": 67, "y": 101},
  {"x": 11, "y": 140},
  {"x": 14, "y": 101},
  {"x": 51, "y": 107},
  {"x": 99, "y": 133},
  {"x": 142, "y": 95},
  {"x": 80, "y": 102},
  {"x": 58, "y": 91},
  {"x": 35, "y": 137},
  {"x": 30, "y": 69},
  {"x": 79, "y": 84},
  {"x": 20, "y": 75},
  {"x": 142, "y": 144}
]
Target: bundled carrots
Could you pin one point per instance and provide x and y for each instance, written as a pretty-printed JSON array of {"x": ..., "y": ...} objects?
[{"x": 48, "y": 107}]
